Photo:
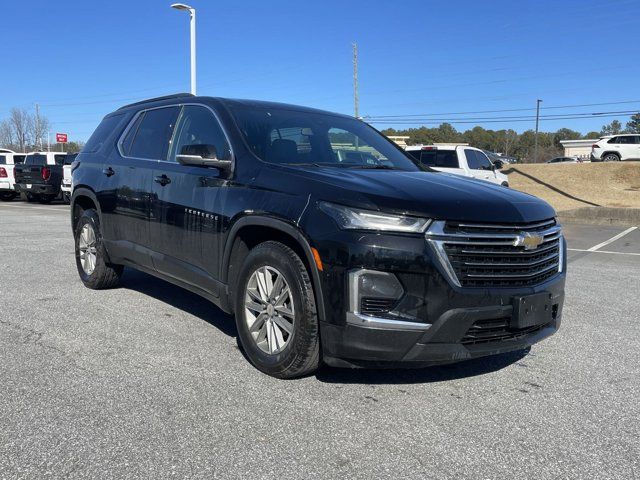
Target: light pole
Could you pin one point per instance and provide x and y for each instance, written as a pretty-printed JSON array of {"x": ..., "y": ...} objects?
[
  {"x": 535, "y": 155},
  {"x": 192, "y": 23}
]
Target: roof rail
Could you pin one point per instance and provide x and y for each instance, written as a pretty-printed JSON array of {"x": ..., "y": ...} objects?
[{"x": 157, "y": 99}]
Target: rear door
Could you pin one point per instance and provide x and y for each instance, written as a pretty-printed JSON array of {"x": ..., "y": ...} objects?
[
  {"x": 186, "y": 212},
  {"x": 126, "y": 187}
]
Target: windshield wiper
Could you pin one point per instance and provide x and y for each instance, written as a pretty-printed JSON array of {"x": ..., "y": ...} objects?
[{"x": 372, "y": 167}]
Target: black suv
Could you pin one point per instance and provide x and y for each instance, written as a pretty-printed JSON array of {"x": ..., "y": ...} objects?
[{"x": 327, "y": 242}]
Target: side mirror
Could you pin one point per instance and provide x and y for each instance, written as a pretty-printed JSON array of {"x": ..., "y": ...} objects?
[
  {"x": 498, "y": 165},
  {"x": 202, "y": 155}
]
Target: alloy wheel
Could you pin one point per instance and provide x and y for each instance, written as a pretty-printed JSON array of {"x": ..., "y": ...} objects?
[
  {"x": 269, "y": 310},
  {"x": 87, "y": 249}
]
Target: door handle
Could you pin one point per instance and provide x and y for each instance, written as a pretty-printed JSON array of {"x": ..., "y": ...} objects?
[
  {"x": 162, "y": 180},
  {"x": 108, "y": 171}
]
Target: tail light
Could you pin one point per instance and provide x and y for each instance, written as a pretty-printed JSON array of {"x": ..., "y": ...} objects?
[
  {"x": 46, "y": 173},
  {"x": 3, "y": 172},
  {"x": 595, "y": 145}
]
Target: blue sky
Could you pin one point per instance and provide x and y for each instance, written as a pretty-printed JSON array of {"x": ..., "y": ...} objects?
[{"x": 82, "y": 59}]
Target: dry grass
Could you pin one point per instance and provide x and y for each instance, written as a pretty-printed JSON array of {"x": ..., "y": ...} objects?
[{"x": 577, "y": 185}]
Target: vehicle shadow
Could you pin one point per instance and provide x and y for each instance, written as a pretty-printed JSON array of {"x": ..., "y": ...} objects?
[
  {"x": 441, "y": 373},
  {"x": 179, "y": 298}
]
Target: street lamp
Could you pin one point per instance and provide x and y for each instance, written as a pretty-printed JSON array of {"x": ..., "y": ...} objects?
[{"x": 192, "y": 23}]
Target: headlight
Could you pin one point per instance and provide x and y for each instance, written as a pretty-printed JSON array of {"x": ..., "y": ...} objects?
[{"x": 356, "y": 219}]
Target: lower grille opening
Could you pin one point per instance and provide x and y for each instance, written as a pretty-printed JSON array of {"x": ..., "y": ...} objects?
[
  {"x": 373, "y": 306},
  {"x": 496, "y": 330}
]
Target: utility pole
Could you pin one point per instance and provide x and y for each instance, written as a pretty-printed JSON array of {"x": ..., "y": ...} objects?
[
  {"x": 38, "y": 140},
  {"x": 535, "y": 155},
  {"x": 356, "y": 101}
]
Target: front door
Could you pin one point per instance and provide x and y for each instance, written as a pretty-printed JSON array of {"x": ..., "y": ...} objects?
[
  {"x": 185, "y": 219},
  {"x": 480, "y": 166}
]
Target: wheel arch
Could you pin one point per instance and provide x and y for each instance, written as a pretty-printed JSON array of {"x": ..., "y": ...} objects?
[
  {"x": 82, "y": 199},
  {"x": 252, "y": 230},
  {"x": 610, "y": 152}
]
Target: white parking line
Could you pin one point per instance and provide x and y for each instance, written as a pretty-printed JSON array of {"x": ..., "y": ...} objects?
[
  {"x": 601, "y": 251},
  {"x": 612, "y": 239}
]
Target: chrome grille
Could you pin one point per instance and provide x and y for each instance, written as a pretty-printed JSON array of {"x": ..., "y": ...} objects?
[{"x": 498, "y": 255}]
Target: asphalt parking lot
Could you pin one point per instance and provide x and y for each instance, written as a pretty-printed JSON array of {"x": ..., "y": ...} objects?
[{"x": 147, "y": 381}]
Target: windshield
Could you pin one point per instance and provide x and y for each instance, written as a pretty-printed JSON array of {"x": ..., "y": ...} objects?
[
  {"x": 293, "y": 137},
  {"x": 36, "y": 159}
]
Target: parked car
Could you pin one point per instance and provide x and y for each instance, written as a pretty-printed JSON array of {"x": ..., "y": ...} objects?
[
  {"x": 66, "y": 177},
  {"x": 564, "y": 160},
  {"x": 614, "y": 148},
  {"x": 496, "y": 159},
  {"x": 247, "y": 204},
  {"x": 40, "y": 176},
  {"x": 459, "y": 160},
  {"x": 8, "y": 160}
]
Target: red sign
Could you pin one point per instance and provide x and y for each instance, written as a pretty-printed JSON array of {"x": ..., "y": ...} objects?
[{"x": 61, "y": 137}]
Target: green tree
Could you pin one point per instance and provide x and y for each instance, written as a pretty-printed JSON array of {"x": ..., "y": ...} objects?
[
  {"x": 633, "y": 125},
  {"x": 613, "y": 128},
  {"x": 593, "y": 135}
]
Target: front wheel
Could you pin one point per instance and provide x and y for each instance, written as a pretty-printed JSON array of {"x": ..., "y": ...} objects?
[
  {"x": 91, "y": 257},
  {"x": 276, "y": 312}
]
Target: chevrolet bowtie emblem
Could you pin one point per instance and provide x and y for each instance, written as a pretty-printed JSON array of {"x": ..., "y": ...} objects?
[{"x": 528, "y": 241}]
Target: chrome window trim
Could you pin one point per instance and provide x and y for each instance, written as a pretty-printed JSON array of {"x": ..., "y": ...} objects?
[{"x": 180, "y": 106}]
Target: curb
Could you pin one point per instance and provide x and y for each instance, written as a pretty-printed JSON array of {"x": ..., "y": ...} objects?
[{"x": 602, "y": 216}]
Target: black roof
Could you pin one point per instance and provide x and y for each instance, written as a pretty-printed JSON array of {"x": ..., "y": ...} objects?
[{"x": 234, "y": 102}]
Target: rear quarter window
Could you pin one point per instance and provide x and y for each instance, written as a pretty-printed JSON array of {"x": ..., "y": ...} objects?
[
  {"x": 440, "y": 158},
  {"x": 102, "y": 133}
]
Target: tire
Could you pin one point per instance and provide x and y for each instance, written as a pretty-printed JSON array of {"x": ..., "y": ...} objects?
[
  {"x": 31, "y": 197},
  {"x": 66, "y": 198},
  {"x": 611, "y": 157},
  {"x": 44, "y": 199},
  {"x": 90, "y": 252},
  {"x": 8, "y": 196},
  {"x": 300, "y": 354},
  {"x": 505, "y": 184}
]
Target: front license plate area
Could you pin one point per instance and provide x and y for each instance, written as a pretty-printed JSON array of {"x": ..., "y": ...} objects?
[{"x": 532, "y": 310}]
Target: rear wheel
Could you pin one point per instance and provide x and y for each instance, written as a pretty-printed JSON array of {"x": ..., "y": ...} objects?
[
  {"x": 91, "y": 258},
  {"x": 611, "y": 157},
  {"x": 276, "y": 312},
  {"x": 31, "y": 197},
  {"x": 8, "y": 196}
]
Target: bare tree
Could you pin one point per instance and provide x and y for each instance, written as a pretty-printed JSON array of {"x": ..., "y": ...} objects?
[
  {"x": 39, "y": 126},
  {"x": 6, "y": 135},
  {"x": 21, "y": 123}
]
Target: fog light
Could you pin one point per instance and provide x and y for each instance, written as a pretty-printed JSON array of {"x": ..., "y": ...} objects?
[{"x": 376, "y": 292}]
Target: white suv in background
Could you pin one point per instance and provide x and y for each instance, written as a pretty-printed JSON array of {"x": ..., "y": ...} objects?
[
  {"x": 614, "y": 148},
  {"x": 459, "y": 160},
  {"x": 8, "y": 159}
]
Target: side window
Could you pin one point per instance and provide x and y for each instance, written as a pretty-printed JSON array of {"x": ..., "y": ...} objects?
[
  {"x": 198, "y": 126},
  {"x": 613, "y": 140},
  {"x": 472, "y": 160},
  {"x": 413, "y": 154},
  {"x": 18, "y": 159},
  {"x": 3, "y": 160},
  {"x": 59, "y": 159},
  {"x": 152, "y": 137},
  {"x": 447, "y": 159},
  {"x": 626, "y": 140},
  {"x": 101, "y": 133},
  {"x": 131, "y": 133},
  {"x": 483, "y": 161}
]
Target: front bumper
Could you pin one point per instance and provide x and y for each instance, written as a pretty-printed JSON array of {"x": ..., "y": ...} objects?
[{"x": 444, "y": 315}]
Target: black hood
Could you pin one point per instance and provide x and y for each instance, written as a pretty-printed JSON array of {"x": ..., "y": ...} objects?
[{"x": 430, "y": 194}]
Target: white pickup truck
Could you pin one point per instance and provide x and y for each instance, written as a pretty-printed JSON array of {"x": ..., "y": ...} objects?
[
  {"x": 67, "y": 186},
  {"x": 8, "y": 159},
  {"x": 459, "y": 160}
]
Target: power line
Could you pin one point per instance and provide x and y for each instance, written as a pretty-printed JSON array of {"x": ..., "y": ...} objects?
[
  {"x": 463, "y": 121},
  {"x": 502, "y": 110}
]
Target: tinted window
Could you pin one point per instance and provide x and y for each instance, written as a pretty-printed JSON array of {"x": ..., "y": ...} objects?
[
  {"x": 415, "y": 154},
  {"x": 154, "y": 133},
  {"x": 101, "y": 133},
  {"x": 60, "y": 159},
  {"x": 39, "y": 160},
  {"x": 626, "y": 140},
  {"x": 477, "y": 160},
  {"x": 70, "y": 158},
  {"x": 18, "y": 159},
  {"x": 440, "y": 158},
  {"x": 131, "y": 133},
  {"x": 287, "y": 135},
  {"x": 198, "y": 126},
  {"x": 3, "y": 160}
]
